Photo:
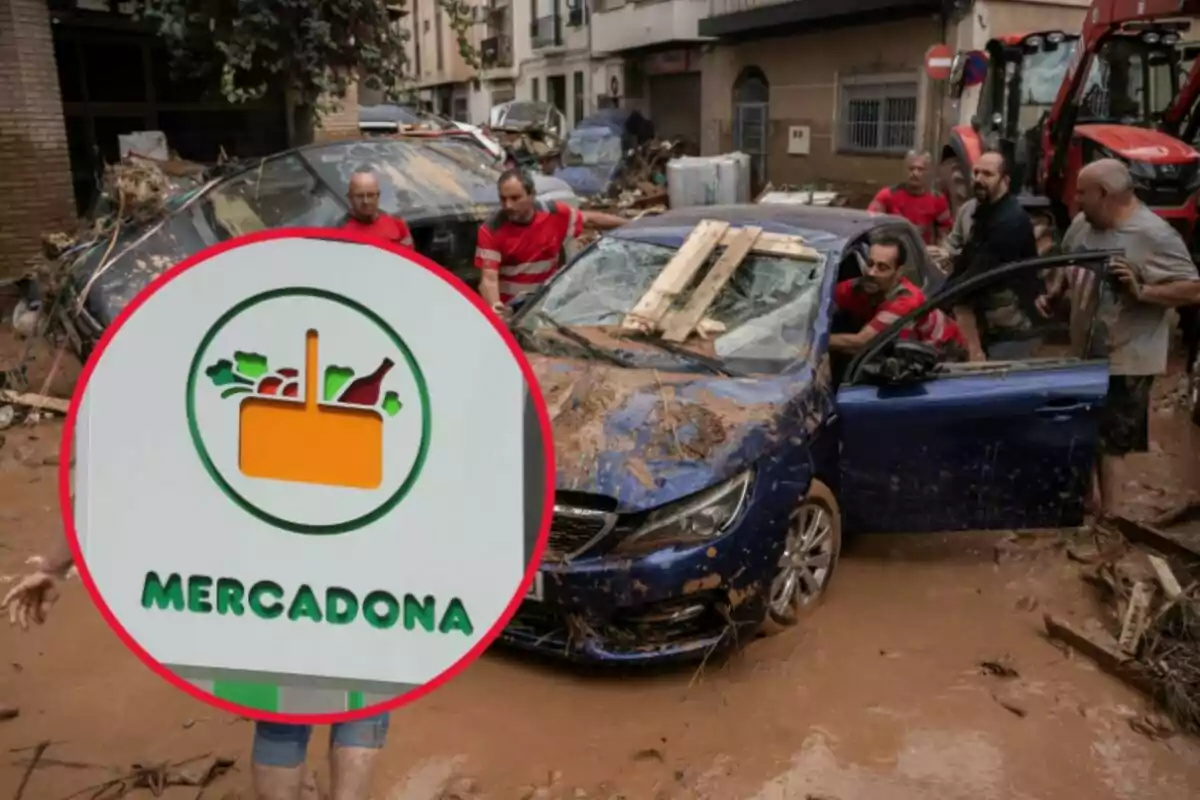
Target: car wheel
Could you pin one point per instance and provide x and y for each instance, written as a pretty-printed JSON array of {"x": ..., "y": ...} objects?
[{"x": 810, "y": 553}]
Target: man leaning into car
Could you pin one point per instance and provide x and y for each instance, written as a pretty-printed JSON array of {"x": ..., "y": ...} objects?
[{"x": 882, "y": 296}]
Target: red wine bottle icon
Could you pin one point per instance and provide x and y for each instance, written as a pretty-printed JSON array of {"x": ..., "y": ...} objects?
[{"x": 365, "y": 391}]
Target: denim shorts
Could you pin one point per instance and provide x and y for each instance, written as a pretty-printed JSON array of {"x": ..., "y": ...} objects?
[{"x": 280, "y": 745}]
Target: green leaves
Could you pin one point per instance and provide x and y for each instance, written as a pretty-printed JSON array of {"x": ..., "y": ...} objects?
[
  {"x": 222, "y": 374},
  {"x": 252, "y": 365},
  {"x": 249, "y": 49},
  {"x": 391, "y": 404}
]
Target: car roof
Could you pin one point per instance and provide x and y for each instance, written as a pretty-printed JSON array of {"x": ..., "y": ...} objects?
[{"x": 822, "y": 227}]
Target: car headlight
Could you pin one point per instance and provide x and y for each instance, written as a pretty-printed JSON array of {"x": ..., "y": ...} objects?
[{"x": 694, "y": 520}]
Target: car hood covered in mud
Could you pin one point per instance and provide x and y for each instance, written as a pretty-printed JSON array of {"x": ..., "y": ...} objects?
[{"x": 647, "y": 437}]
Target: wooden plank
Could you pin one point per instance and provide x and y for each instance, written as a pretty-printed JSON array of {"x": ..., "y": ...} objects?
[
  {"x": 1136, "y": 618},
  {"x": 35, "y": 401},
  {"x": 676, "y": 275},
  {"x": 1155, "y": 539},
  {"x": 1166, "y": 578},
  {"x": 780, "y": 245},
  {"x": 1106, "y": 658},
  {"x": 679, "y": 326}
]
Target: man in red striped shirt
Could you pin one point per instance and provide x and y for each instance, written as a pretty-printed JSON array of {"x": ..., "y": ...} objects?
[
  {"x": 521, "y": 246},
  {"x": 365, "y": 216},
  {"x": 882, "y": 296}
]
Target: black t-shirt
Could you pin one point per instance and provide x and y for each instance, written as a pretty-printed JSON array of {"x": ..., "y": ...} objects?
[{"x": 1001, "y": 233}]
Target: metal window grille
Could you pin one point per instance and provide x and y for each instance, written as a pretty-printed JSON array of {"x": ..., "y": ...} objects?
[{"x": 878, "y": 117}]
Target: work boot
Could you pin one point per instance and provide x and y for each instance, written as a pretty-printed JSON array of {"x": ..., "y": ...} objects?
[
  {"x": 351, "y": 770},
  {"x": 278, "y": 783}
]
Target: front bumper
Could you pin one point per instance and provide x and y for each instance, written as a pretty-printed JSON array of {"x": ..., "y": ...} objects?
[{"x": 669, "y": 605}]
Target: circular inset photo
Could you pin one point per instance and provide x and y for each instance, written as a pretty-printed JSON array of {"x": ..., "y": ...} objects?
[{"x": 314, "y": 476}]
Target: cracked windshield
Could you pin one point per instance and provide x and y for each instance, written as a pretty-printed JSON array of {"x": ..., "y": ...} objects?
[{"x": 762, "y": 321}]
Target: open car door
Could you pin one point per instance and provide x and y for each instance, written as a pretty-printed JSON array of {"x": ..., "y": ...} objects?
[{"x": 984, "y": 445}]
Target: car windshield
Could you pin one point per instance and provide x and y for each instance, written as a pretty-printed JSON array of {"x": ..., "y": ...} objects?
[
  {"x": 421, "y": 180},
  {"x": 1130, "y": 81},
  {"x": 590, "y": 148},
  {"x": 762, "y": 320}
]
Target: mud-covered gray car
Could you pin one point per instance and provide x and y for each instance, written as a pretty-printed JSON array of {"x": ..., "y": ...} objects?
[{"x": 443, "y": 187}]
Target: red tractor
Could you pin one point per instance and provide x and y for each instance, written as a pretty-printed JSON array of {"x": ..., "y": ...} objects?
[{"x": 1053, "y": 101}]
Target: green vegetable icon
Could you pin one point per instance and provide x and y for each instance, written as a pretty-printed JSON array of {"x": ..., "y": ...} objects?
[{"x": 250, "y": 373}]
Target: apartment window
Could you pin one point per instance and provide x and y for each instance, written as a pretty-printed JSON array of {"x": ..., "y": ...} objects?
[
  {"x": 534, "y": 88},
  {"x": 579, "y": 101},
  {"x": 878, "y": 113}
]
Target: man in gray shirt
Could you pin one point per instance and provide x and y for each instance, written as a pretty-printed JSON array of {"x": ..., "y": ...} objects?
[{"x": 1156, "y": 273}]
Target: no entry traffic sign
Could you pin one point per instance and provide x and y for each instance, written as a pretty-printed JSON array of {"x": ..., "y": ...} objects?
[
  {"x": 309, "y": 484},
  {"x": 937, "y": 62}
]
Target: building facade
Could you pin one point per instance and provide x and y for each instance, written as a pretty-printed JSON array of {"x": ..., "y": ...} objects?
[
  {"x": 823, "y": 92},
  {"x": 561, "y": 68},
  {"x": 661, "y": 50}
]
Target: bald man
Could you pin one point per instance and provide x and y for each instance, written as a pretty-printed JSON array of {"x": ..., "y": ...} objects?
[
  {"x": 1156, "y": 273},
  {"x": 365, "y": 216}
]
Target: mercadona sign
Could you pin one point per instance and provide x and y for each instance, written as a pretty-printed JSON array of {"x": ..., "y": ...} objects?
[{"x": 311, "y": 475}]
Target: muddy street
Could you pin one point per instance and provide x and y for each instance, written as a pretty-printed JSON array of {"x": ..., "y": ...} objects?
[{"x": 880, "y": 695}]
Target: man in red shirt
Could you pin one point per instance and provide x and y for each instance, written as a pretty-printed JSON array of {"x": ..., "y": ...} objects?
[
  {"x": 915, "y": 201},
  {"x": 365, "y": 216},
  {"x": 521, "y": 246},
  {"x": 881, "y": 296}
]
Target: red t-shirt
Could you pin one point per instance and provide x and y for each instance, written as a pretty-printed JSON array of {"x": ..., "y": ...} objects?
[
  {"x": 526, "y": 256},
  {"x": 935, "y": 328},
  {"x": 927, "y": 210},
  {"x": 384, "y": 226}
]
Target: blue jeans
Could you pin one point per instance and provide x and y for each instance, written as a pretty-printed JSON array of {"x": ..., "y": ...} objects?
[{"x": 280, "y": 745}]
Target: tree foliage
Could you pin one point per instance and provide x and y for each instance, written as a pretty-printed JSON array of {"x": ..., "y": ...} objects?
[{"x": 303, "y": 48}]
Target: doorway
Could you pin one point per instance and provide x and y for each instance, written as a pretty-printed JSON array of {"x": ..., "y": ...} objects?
[{"x": 751, "y": 96}]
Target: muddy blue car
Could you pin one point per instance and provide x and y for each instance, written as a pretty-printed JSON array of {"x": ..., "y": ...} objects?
[{"x": 705, "y": 489}]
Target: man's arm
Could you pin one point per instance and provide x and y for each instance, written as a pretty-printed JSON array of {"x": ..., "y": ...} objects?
[
  {"x": 887, "y": 313},
  {"x": 852, "y": 342},
  {"x": 881, "y": 203},
  {"x": 405, "y": 232},
  {"x": 601, "y": 221},
  {"x": 487, "y": 261},
  {"x": 969, "y": 327},
  {"x": 1168, "y": 276}
]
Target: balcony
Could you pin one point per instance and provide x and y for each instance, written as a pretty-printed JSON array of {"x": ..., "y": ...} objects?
[
  {"x": 617, "y": 27},
  {"x": 496, "y": 52},
  {"x": 742, "y": 17},
  {"x": 546, "y": 32}
]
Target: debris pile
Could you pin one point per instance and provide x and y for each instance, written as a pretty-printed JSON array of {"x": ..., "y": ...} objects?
[
  {"x": 529, "y": 146},
  {"x": 807, "y": 195},
  {"x": 1149, "y": 585},
  {"x": 157, "y": 778}
]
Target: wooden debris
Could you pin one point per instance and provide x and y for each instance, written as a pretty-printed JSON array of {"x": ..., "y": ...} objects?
[
  {"x": 1136, "y": 618},
  {"x": 679, "y": 325},
  {"x": 1155, "y": 539},
  {"x": 1109, "y": 659},
  {"x": 1176, "y": 514},
  {"x": 1166, "y": 578},
  {"x": 676, "y": 276},
  {"x": 780, "y": 245},
  {"x": 35, "y": 401}
]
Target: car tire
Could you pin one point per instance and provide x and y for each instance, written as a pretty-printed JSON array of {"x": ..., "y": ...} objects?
[{"x": 791, "y": 597}]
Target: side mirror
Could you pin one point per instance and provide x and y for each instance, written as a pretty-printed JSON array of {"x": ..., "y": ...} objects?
[
  {"x": 902, "y": 362},
  {"x": 954, "y": 84}
]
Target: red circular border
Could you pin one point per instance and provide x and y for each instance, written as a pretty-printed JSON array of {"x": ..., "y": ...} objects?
[{"x": 66, "y": 451}]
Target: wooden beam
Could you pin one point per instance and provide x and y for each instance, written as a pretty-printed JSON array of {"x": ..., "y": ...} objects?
[
  {"x": 35, "y": 401},
  {"x": 678, "y": 326},
  {"x": 1143, "y": 534},
  {"x": 676, "y": 276},
  {"x": 1106, "y": 658},
  {"x": 780, "y": 245}
]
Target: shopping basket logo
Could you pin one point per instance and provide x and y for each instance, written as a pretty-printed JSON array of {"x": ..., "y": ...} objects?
[{"x": 309, "y": 410}]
